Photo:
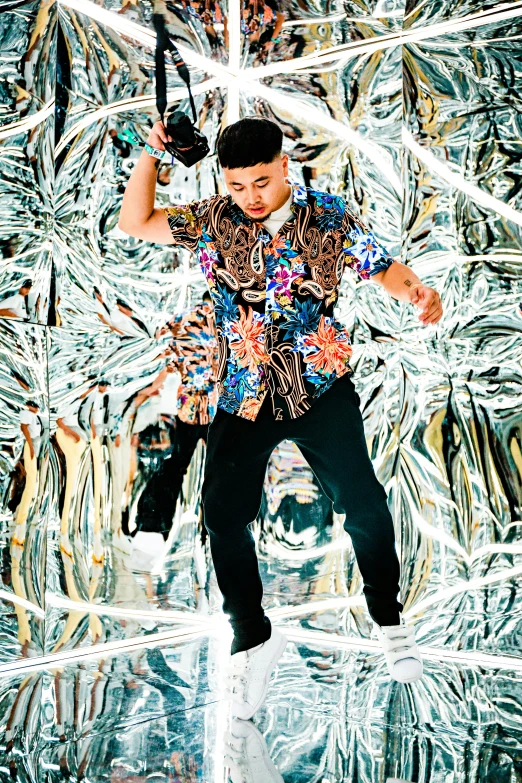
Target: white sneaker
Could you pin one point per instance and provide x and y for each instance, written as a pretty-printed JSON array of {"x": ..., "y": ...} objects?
[
  {"x": 148, "y": 549},
  {"x": 248, "y": 675},
  {"x": 246, "y": 755},
  {"x": 401, "y": 652}
]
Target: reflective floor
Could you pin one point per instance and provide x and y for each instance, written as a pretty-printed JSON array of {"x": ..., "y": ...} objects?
[{"x": 332, "y": 714}]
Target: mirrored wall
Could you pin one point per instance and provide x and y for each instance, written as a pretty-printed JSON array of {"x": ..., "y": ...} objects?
[{"x": 410, "y": 111}]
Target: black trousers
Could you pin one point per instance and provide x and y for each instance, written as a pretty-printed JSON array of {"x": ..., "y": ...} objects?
[
  {"x": 331, "y": 437},
  {"x": 157, "y": 503}
]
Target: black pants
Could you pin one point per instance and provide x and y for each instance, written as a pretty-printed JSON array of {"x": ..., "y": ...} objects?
[
  {"x": 331, "y": 438},
  {"x": 157, "y": 503}
]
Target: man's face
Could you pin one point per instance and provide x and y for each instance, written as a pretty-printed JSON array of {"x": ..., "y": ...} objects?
[
  {"x": 259, "y": 190},
  {"x": 25, "y": 290}
]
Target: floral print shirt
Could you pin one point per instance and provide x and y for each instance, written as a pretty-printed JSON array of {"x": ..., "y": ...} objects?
[
  {"x": 195, "y": 356},
  {"x": 274, "y": 297}
]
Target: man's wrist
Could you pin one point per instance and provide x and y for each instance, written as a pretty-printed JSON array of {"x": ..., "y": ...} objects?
[{"x": 153, "y": 151}]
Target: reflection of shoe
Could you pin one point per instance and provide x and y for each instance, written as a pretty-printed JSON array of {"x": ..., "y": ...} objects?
[
  {"x": 248, "y": 675},
  {"x": 402, "y": 655},
  {"x": 246, "y": 755},
  {"x": 147, "y": 549},
  {"x": 122, "y": 543}
]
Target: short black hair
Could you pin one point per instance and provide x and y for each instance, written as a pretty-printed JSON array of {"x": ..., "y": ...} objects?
[
  {"x": 248, "y": 142},
  {"x": 27, "y": 283},
  {"x": 207, "y": 297}
]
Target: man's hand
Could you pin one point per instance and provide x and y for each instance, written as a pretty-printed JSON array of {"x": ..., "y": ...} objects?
[
  {"x": 157, "y": 136},
  {"x": 429, "y": 301}
]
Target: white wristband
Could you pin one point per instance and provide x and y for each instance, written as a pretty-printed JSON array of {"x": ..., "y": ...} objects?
[{"x": 154, "y": 152}]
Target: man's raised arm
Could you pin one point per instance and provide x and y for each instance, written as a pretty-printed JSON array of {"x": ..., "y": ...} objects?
[{"x": 138, "y": 216}]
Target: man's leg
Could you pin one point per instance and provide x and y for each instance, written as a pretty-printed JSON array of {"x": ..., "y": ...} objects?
[
  {"x": 187, "y": 438},
  {"x": 237, "y": 456},
  {"x": 157, "y": 503},
  {"x": 331, "y": 438}
]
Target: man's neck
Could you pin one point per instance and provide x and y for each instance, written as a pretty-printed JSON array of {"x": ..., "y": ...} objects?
[{"x": 284, "y": 199}]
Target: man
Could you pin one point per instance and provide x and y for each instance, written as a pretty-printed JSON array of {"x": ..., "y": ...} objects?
[
  {"x": 17, "y": 305},
  {"x": 273, "y": 256},
  {"x": 194, "y": 355}
]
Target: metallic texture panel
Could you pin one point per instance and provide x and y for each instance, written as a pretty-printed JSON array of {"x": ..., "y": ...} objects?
[{"x": 86, "y": 342}]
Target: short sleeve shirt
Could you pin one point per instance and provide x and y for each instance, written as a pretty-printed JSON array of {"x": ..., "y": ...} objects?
[
  {"x": 274, "y": 297},
  {"x": 195, "y": 353}
]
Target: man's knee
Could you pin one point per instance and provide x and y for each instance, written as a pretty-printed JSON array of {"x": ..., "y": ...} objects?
[{"x": 225, "y": 509}]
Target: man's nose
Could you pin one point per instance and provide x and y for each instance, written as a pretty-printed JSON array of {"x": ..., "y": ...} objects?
[{"x": 252, "y": 195}]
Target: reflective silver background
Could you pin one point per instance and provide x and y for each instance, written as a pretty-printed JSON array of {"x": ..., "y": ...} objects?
[{"x": 442, "y": 405}]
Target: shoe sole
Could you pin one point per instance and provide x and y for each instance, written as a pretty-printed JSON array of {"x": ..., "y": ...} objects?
[{"x": 273, "y": 663}]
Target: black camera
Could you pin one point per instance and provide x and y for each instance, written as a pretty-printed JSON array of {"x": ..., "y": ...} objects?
[{"x": 188, "y": 144}]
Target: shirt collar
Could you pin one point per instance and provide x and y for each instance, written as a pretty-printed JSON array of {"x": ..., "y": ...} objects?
[{"x": 299, "y": 199}]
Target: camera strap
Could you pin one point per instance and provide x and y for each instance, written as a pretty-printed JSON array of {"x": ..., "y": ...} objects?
[{"x": 163, "y": 43}]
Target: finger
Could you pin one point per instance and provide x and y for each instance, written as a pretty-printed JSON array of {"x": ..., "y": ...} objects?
[
  {"x": 426, "y": 314},
  {"x": 429, "y": 309},
  {"x": 435, "y": 316}
]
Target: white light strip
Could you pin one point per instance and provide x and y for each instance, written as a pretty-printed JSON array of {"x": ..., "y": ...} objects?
[
  {"x": 143, "y": 102},
  {"x": 234, "y": 59},
  {"x": 20, "y": 126},
  {"x": 5, "y": 595},
  {"x": 470, "y": 657},
  {"x": 306, "y": 112},
  {"x": 60, "y": 659},
  {"x": 234, "y": 36},
  {"x": 188, "y": 617},
  {"x": 457, "y": 180},
  {"x": 472, "y": 584},
  {"x": 311, "y": 607},
  {"x": 387, "y": 41},
  {"x": 318, "y": 20}
]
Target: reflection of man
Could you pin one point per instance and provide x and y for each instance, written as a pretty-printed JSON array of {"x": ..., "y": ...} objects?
[
  {"x": 273, "y": 256},
  {"x": 123, "y": 319},
  {"x": 80, "y": 425},
  {"x": 209, "y": 13},
  {"x": 194, "y": 355},
  {"x": 291, "y": 494},
  {"x": 102, "y": 311},
  {"x": 262, "y": 22},
  {"x": 17, "y": 305},
  {"x": 31, "y": 427}
]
